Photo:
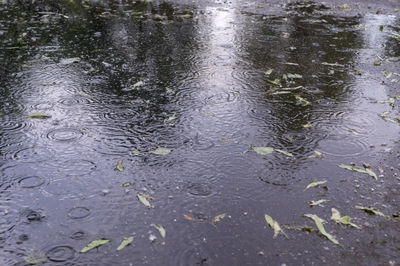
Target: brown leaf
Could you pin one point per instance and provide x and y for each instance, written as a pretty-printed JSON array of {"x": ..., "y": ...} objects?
[{"x": 190, "y": 218}]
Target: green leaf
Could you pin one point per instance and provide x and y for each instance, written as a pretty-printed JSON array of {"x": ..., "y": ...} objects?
[
  {"x": 294, "y": 76},
  {"x": 119, "y": 166},
  {"x": 300, "y": 227},
  {"x": 94, "y": 244},
  {"x": 39, "y": 115},
  {"x": 262, "y": 150},
  {"x": 372, "y": 211},
  {"x": 275, "y": 82},
  {"x": 390, "y": 101},
  {"x": 318, "y": 221},
  {"x": 36, "y": 257},
  {"x": 346, "y": 220},
  {"x": 360, "y": 170},
  {"x": 187, "y": 15},
  {"x": 161, "y": 151},
  {"x": 135, "y": 152},
  {"x": 316, "y": 183},
  {"x": 302, "y": 101},
  {"x": 172, "y": 117},
  {"x": 137, "y": 84},
  {"x": 318, "y": 202},
  {"x": 161, "y": 229},
  {"x": 274, "y": 225},
  {"x": 316, "y": 154},
  {"x": 143, "y": 199},
  {"x": 284, "y": 152},
  {"x": 127, "y": 184},
  {"x": 269, "y": 71},
  {"x": 332, "y": 64},
  {"x": 126, "y": 241}
]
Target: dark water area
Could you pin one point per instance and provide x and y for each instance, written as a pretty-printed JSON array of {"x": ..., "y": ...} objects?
[{"x": 206, "y": 82}]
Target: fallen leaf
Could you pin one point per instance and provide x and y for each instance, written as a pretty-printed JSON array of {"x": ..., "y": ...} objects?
[
  {"x": 300, "y": 227},
  {"x": 307, "y": 125},
  {"x": 94, "y": 244},
  {"x": 39, "y": 115},
  {"x": 332, "y": 64},
  {"x": 161, "y": 151},
  {"x": 294, "y": 76},
  {"x": 262, "y": 150},
  {"x": 318, "y": 202},
  {"x": 316, "y": 183},
  {"x": 126, "y": 241},
  {"x": 342, "y": 219},
  {"x": 187, "y": 16},
  {"x": 137, "y": 84},
  {"x": 127, "y": 184},
  {"x": 218, "y": 218},
  {"x": 284, "y": 152},
  {"x": 269, "y": 71},
  {"x": 119, "y": 166},
  {"x": 161, "y": 229},
  {"x": 188, "y": 217},
  {"x": 316, "y": 154},
  {"x": 318, "y": 221},
  {"x": 274, "y": 225},
  {"x": 36, "y": 257},
  {"x": 360, "y": 170},
  {"x": 170, "y": 91},
  {"x": 291, "y": 64},
  {"x": 275, "y": 82},
  {"x": 372, "y": 211},
  {"x": 143, "y": 199},
  {"x": 302, "y": 101},
  {"x": 377, "y": 63},
  {"x": 172, "y": 117},
  {"x": 226, "y": 140}
]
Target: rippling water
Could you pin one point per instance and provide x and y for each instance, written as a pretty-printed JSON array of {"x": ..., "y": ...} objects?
[{"x": 206, "y": 81}]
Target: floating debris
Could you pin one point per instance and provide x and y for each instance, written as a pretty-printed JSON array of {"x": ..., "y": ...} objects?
[
  {"x": 262, "y": 150},
  {"x": 218, "y": 218},
  {"x": 274, "y": 225},
  {"x": 345, "y": 220},
  {"x": 316, "y": 154},
  {"x": 316, "y": 183},
  {"x": 372, "y": 211},
  {"x": 360, "y": 170},
  {"x": 161, "y": 229},
  {"x": 318, "y": 202},
  {"x": 94, "y": 244},
  {"x": 39, "y": 115},
  {"x": 119, "y": 166},
  {"x": 318, "y": 221},
  {"x": 143, "y": 199},
  {"x": 161, "y": 151},
  {"x": 126, "y": 241}
]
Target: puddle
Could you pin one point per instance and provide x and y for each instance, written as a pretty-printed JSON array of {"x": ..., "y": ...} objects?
[{"x": 206, "y": 80}]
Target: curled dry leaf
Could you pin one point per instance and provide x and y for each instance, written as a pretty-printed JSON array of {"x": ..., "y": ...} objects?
[
  {"x": 218, "y": 218},
  {"x": 188, "y": 217}
]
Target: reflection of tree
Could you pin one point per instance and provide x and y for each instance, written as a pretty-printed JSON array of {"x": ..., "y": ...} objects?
[{"x": 307, "y": 41}]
